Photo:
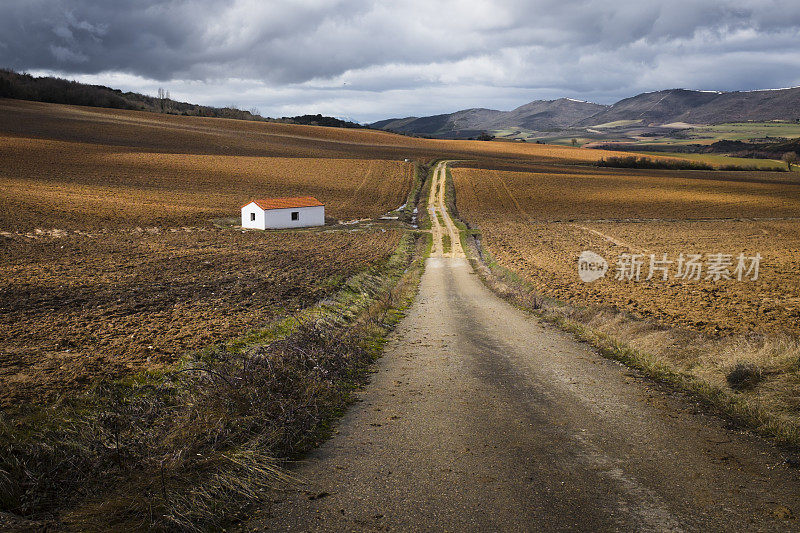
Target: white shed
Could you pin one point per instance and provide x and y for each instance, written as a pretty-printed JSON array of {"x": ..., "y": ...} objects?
[{"x": 276, "y": 213}]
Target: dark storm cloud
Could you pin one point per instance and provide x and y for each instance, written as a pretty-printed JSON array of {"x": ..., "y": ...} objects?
[{"x": 337, "y": 52}]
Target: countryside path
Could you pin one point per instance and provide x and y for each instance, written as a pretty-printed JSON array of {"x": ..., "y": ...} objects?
[
  {"x": 441, "y": 223},
  {"x": 481, "y": 418}
]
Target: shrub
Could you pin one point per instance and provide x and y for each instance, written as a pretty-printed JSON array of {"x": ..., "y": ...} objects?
[
  {"x": 751, "y": 168},
  {"x": 632, "y": 161},
  {"x": 744, "y": 376}
]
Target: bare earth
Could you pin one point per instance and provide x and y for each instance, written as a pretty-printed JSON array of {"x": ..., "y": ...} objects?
[{"x": 481, "y": 418}]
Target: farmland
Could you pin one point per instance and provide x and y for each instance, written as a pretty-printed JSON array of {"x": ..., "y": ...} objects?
[
  {"x": 130, "y": 301},
  {"x": 538, "y": 223},
  {"x": 121, "y": 207},
  {"x": 133, "y": 168},
  {"x": 743, "y": 131},
  {"x": 113, "y": 261},
  {"x": 121, "y": 261},
  {"x": 77, "y": 184},
  {"x": 76, "y": 309}
]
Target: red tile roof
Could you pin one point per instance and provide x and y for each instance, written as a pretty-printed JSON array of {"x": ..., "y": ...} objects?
[{"x": 286, "y": 203}]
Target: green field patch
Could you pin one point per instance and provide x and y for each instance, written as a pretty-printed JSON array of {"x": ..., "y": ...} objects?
[
  {"x": 742, "y": 131},
  {"x": 616, "y": 124}
]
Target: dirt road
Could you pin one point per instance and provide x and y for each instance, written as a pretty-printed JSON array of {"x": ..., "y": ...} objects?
[
  {"x": 441, "y": 223},
  {"x": 481, "y": 418}
]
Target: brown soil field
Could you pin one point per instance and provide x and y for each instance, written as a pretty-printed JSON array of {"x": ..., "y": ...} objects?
[
  {"x": 114, "y": 265},
  {"x": 151, "y": 132},
  {"x": 75, "y": 167},
  {"x": 79, "y": 308},
  {"x": 76, "y": 186},
  {"x": 538, "y": 223},
  {"x": 110, "y": 262}
]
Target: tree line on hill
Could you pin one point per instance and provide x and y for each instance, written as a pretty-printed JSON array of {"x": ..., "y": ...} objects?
[
  {"x": 60, "y": 91},
  {"x": 778, "y": 148}
]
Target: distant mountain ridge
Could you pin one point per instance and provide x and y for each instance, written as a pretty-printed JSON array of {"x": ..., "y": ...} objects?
[
  {"x": 542, "y": 115},
  {"x": 703, "y": 107},
  {"x": 652, "y": 108}
]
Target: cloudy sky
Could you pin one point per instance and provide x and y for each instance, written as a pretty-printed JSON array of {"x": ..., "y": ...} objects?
[{"x": 371, "y": 60}]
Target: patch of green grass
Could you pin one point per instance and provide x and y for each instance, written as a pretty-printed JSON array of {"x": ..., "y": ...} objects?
[
  {"x": 450, "y": 199},
  {"x": 428, "y": 245},
  {"x": 413, "y": 198},
  {"x": 423, "y": 217},
  {"x": 748, "y": 130},
  {"x": 616, "y": 124},
  {"x": 567, "y": 141},
  {"x": 446, "y": 244}
]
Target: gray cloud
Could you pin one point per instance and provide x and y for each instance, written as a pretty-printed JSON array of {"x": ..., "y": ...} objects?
[{"x": 370, "y": 60}]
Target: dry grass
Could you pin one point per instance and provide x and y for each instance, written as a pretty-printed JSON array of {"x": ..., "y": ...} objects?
[
  {"x": 190, "y": 446},
  {"x": 764, "y": 398}
]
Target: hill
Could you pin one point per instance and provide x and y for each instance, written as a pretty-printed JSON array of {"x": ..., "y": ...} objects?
[
  {"x": 547, "y": 115},
  {"x": 646, "y": 109},
  {"x": 60, "y": 91},
  {"x": 540, "y": 115},
  {"x": 702, "y": 107}
]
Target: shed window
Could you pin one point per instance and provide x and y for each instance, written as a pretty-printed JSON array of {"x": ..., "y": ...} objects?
[
  {"x": 295, "y": 215},
  {"x": 252, "y": 217}
]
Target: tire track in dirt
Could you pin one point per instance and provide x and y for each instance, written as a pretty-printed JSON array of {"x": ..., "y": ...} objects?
[
  {"x": 437, "y": 206},
  {"x": 527, "y": 217},
  {"x": 436, "y": 228},
  {"x": 357, "y": 192},
  {"x": 498, "y": 179}
]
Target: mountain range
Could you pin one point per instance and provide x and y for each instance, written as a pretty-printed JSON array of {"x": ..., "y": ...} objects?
[{"x": 646, "y": 109}]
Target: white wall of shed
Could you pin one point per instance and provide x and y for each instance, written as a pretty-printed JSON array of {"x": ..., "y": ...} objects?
[
  {"x": 282, "y": 218},
  {"x": 259, "y": 222}
]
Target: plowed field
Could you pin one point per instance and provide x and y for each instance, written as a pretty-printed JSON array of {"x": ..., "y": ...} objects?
[
  {"x": 538, "y": 224},
  {"x": 75, "y": 167},
  {"x": 78, "y": 308},
  {"x": 109, "y": 259}
]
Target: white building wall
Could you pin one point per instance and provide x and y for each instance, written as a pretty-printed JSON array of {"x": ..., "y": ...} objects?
[
  {"x": 282, "y": 218},
  {"x": 249, "y": 209},
  {"x": 306, "y": 216}
]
